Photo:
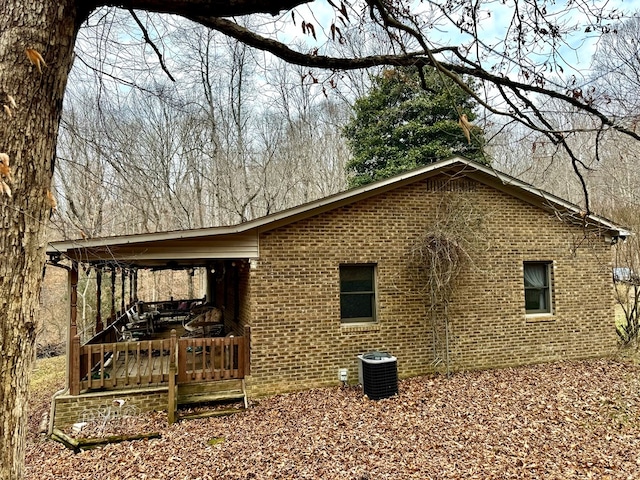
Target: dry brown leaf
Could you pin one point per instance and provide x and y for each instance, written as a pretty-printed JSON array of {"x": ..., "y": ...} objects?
[
  {"x": 486, "y": 425},
  {"x": 466, "y": 126},
  {"x": 5, "y": 169},
  {"x": 4, "y": 189},
  {"x": 35, "y": 58},
  {"x": 51, "y": 200}
]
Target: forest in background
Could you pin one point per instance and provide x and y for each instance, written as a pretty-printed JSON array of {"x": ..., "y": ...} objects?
[
  {"x": 216, "y": 136},
  {"x": 235, "y": 137},
  {"x": 524, "y": 55}
]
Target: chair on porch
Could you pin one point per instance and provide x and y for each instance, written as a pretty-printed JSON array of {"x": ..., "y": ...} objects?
[
  {"x": 136, "y": 324},
  {"x": 125, "y": 335},
  {"x": 209, "y": 323}
]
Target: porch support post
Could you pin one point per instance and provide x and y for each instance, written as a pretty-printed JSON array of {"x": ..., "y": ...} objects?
[
  {"x": 73, "y": 300},
  {"x": 236, "y": 291},
  {"x": 209, "y": 284},
  {"x": 99, "y": 324},
  {"x": 135, "y": 285},
  {"x": 130, "y": 287},
  {"x": 74, "y": 365},
  {"x": 113, "y": 294},
  {"x": 247, "y": 350},
  {"x": 173, "y": 371},
  {"x": 72, "y": 280},
  {"x": 124, "y": 280}
]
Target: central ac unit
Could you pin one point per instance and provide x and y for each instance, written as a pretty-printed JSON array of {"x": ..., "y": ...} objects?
[{"x": 378, "y": 374}]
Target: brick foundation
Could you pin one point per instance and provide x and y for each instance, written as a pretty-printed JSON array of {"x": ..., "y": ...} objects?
[{"x": 70, "y": 409}]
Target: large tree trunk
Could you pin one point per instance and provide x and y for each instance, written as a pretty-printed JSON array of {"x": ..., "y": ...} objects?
[{"x": 28, "y": 136}]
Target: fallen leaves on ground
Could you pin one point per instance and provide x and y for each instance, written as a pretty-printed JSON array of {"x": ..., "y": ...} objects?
[{"x": 554, "y": 421}]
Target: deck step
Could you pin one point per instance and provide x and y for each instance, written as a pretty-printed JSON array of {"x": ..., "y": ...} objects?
[
  {"x": 210, "y": 413},
  {"x": 192, "y": 399},
  {"x": 210, "y": 387},
  {"x": 205, "y": 397}
]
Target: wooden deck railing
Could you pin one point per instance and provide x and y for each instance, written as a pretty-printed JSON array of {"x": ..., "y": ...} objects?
[
  {"x": 152, "y": 362},
  {"x": 207, "y": 359},
  {"x": 121, "y": 364}
]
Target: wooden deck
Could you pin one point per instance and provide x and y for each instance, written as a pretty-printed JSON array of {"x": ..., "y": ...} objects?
[{"x": 153, "y": 362}]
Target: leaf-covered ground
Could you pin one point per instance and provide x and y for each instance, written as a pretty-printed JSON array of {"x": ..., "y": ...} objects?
[{"x": 557, "y": 421}]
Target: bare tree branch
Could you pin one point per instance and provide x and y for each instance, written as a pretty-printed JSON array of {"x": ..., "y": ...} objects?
[
  {"x": 148, "y": 40},
  {"x": 219, "y": 8},
  {"x": 418, "y": 59}
]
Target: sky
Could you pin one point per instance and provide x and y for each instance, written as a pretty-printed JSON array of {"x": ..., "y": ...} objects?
[
  {"x": 118, "y": 53},
  {"x": 574, "y": 55}
]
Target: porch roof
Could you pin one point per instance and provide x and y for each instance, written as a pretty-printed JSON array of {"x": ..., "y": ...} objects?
[
  {"x": 199, "y": 246},
  {"x": 169, "y": 250}
]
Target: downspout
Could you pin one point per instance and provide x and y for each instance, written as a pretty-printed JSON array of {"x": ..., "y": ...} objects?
[
  {"x": 52, "y": 410},
  {"x": 73, "y": 310}
]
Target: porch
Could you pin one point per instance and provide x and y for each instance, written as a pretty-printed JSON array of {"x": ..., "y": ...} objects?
[
  {"x": 171, "y": 367},
  {"x": 173, "y": 347}
]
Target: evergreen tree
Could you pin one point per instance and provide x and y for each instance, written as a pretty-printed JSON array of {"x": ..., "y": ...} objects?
[{"x": 399, "y": 125}]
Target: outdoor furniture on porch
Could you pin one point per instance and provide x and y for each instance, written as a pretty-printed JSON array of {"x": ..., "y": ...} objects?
[
  {"x": 172, "y": 310},
  {"x": 209, "y": 323},
  {"x": 149, "y": 313},
  {"x": 141, "y": 322},
  {"x": 135, "y": 323},
  {"x": 125, "y": 335}
]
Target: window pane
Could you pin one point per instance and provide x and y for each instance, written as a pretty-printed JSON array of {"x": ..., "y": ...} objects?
[
  {"x": 356, "y": 306},
  {"x": 535, "y": 275},
  {"x": 356, "y": 279},
  {"x": 534, "y": 299}
]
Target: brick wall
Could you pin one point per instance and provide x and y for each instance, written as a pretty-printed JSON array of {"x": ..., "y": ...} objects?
[
  {"x": 245, "y": 298},
  {"x": 71, "y": 409},
  {"x": 299, "y": 342}
]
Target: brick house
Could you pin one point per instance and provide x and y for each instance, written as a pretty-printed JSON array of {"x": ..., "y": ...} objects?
[{"x": 318, "y": 284}]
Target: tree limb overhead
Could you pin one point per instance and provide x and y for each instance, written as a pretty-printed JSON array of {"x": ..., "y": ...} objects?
[{"x": 218, "y": 8}]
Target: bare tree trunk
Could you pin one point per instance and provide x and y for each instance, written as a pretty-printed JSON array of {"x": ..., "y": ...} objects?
[{"x": 28, "y": 137}]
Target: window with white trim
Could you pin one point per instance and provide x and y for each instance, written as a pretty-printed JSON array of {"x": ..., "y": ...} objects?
[
  {"x": 357, "y": 293},
  {"x": 537, "y": 287}
]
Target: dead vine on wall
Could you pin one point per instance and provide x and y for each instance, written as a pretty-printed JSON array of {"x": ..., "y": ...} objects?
[{"x": 439, "y": 255}]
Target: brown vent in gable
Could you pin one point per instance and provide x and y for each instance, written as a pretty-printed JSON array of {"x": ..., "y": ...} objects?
[{"x": 445, "y": 184}]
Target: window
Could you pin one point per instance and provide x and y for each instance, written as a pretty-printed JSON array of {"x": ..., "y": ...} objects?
[
  {"x": 357, "y": 293},
  {"x": 537, "y": 287}
]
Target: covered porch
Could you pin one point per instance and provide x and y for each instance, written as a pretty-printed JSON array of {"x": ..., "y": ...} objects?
[{"x": 158, "y": 343}]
